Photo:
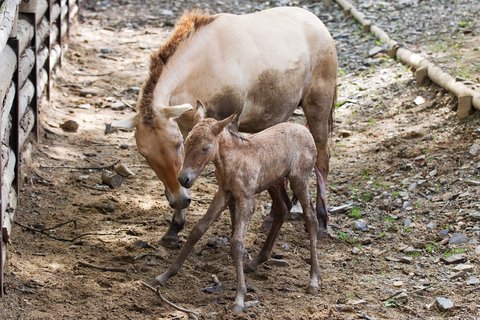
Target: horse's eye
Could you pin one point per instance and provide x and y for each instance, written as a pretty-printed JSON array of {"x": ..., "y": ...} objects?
[
  {"x": 206, "y": 147},
  {"x": 178, "y": 145}
]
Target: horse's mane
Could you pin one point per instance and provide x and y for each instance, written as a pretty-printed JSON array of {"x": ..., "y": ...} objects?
[
  {"x": 237, "y": 135},
  {"x": 186, "y": 26}
]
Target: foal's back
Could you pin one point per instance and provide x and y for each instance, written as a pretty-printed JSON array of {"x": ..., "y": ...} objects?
[{"x": 286, "y": 149}]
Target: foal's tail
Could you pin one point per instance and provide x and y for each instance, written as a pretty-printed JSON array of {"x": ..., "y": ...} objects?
[{"x": 332, "y": 110}]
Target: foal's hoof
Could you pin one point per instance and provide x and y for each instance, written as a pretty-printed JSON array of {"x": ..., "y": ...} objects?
[
  {"x": 170, "y": 241},
  {"x": 237, "y": 308},
  {"x": 312, "y": 290}
]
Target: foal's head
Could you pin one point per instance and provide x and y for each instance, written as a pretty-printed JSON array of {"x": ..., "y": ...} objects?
[{"x": 201, "y": 146}]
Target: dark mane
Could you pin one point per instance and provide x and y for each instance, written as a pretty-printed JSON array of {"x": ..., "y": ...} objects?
[
  {"x": 186, "y": 26},
  {"x": 237, "y": 135}
]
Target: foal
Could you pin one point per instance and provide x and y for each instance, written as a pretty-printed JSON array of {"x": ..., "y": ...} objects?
[{"x": 244, "y": 167}]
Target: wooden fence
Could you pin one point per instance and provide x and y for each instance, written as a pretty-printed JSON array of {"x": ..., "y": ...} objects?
[{"x": 32, "y": 43}]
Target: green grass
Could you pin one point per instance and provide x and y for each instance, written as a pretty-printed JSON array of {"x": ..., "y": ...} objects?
[
  {"x": 341, "y": 72},
  {"x": 389, "y": 219},
  {"x": 407, "y": 229},
  {"x": 367, "y": 196},
  {"x": 430, "y": 248},
  {"x": 356, "y": 213},
  {"x": 414, "y": 254},
  {"x": 450, "y": 253},
  {"x": 395, "y": 194}
]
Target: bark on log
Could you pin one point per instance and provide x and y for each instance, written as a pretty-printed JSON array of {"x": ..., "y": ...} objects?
[
  {"x": 27, "y": 61},
  {"x": 64, "y": 28},
  {"x": 53, "y": 34},
  {"x": 64, "y": 10},
  {"x": 25, "y": 97},
  {"x": 73, "y": 11},
  {"x": 42, "y": 81},
  {"x": 26, "y": 126},
  {"x": 8, "y": 213},
  {"x": 43, "y": 29},
  {"x": 8, "y": 10},
  {"x": 25, "y": 33},
  {"x": 42, "y": 56},
  {"x": 55, "y": 11},
  {"x": 7, "y": 67},
  {"x": 54, "y": 55},
  {"x": 5, "y": 118}
]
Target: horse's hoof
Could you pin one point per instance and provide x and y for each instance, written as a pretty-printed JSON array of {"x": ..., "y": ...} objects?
[
  {"x": 161, "y": 279},
  {"x": 170, "y": 242},
  {"x": 249, "y": 268},
  {"x": 312, "y": 290},
  {"x": 321, "y": 233},
  {"x": 237, "y": 308}
]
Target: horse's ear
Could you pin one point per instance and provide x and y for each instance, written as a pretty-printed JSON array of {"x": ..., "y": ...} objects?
[
  {"x": 127, "y": 123},
  {"x": 220, "y": 125},
  {"x": 175, "y": 111},
  {"x": 200, "y": 112}
]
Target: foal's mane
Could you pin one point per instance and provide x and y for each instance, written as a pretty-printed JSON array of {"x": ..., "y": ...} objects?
[{"x": 186, "y": 27}]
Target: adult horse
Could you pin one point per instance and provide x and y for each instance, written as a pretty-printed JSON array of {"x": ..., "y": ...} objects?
[{"x": 261, "y": 66}]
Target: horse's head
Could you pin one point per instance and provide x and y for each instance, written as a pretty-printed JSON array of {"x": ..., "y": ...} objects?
[
  {"x": 201, "y": 146},
  {"x": 160, "y": 141}
]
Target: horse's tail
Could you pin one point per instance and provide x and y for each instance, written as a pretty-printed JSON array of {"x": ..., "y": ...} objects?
[{"x": 332, "y": 110}]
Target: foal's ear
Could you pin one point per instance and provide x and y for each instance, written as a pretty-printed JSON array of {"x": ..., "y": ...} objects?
[
  {"x": 200, "y": 112},
  {"x": 220, "y": 125}
]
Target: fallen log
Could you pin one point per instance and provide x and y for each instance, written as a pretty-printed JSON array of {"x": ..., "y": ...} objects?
[
  {"x": 38, "y": 6},
  {"x": 112, "y": 179},
  {"x": 42, "y": 81},
  {"x": 25, "y": 96},
  {"x": 25, "y": 126},
  {"x": 43, "y": 30},
  {"x": 42, "y": 56},
  {"x": 7, "y": 67},
  {"x": 25, "y": 32},
  {"x": 55, "y": 54},
  {"x": 5, "y": 118},
  {"x": 73, "y": 11},
  {"x": 25, "y": 66},
  {"x": 8, "y": 10}
]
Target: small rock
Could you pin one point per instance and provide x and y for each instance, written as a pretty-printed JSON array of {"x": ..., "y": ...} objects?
[
  {"x": 341, "y": 209},
  {"x": 278, "y": 262},
  {"x": 84, "y": 106},
  {"x": 455, "y": 258},
  {"x": 474, "y": 149},
  {"x": 398, "y": 283},
  {"x": 406, "y": 259},
  {"x": 69, "y": 126},
  {"x": 475, "y": 216},
  {"x": 442, "y": 233},
  {"x": 118, "y": 106},
  {"x": 392, "y": 259},
  {"x": 360, "y": 225},
  {"x": 472, "y": 281},
  {"x": 344, "y": 133},
  {"x": 296, "y": 212},
  {"x": 286, "y": 247},
  {"x": 432, "y": 225},
  {"x": 105, "y": 50},
  {"x": 375, "y": 50},
  {"x": 419, "y": 100},
  {"x": 166, "y": 12},
  {"x": 401, "y": 298},
  {"x": 355, "y": 250},
  {"x": 463, "y": 267},
  {"x": 124, "y": 146},
  {"x": 458, "y": 238},
  {"x": 217, "y": 242},
  {"x": 477, "y": 250},
  {"x": 444, "y": 304},
  {"x": 407, "y": 222}
]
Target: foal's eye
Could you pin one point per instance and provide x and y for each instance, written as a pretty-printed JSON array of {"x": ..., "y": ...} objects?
[{"x": 206, "y": 147}]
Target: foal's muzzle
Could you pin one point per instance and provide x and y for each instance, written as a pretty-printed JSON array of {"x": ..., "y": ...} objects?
[{"x": 186, "y": 177}]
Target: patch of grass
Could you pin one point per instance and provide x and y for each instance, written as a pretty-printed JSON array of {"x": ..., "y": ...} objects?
[
  {"x": 414, "y": 254},
  {"x": 430, "y": 248},
  {"x": 365, "y": 174},
  {"x": 450, "y": 253},
  {"x": 390, "y": 303},
  {"x": 395, "y": 194},
  {"x": 439, "y": 46},
  {"x": 367, "y": 196},
  {"x": 341, "y": 72},
  {"x": 407, "y": 229},
  {"x": 389, "y": 219},
  {"x": 378, "y": 42},
  {"x": 343, "y": 236},
  {"x": 463, "y": 23},
  {"x": 464, "y": 72},
  {"x": 372, "y": 122},
  {"x": 356, "y": 213}
]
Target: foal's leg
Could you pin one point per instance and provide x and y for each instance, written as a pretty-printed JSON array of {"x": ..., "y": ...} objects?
[
  {"x": 318, "y": 104},
  {"x": 170, "y": 238},
  {"x": 300, "y": 189},
  {"x": 279, "y": 200},
  {"x": 218, "y": 204},
  {"x": 245, "y": 209},
  {"x": 277, "y": 193}
]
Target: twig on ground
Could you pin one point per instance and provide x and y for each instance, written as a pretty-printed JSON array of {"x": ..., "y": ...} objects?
[
  {"x": 62, "y": 224},
  {"x": 143, "y": 255},
  {"x": 102, "y": 268},
  {"x": 42, "y": 231},
  {"x": 94, "y": 187},
  {"x": 128, "y": 105},
  {"x": 191, "y": 314},
  {"x": 109, "y": 166}
]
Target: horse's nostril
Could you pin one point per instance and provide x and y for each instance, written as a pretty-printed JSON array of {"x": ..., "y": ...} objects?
[{"x": 188, "y": 200}]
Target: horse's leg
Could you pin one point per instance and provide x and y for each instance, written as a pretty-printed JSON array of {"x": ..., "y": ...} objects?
[
  {"x": 300, "y": 189},
  {"x": 170, "y": 238},
  {"x": 318, "y": 104},
  {"x": 245, "y": 207},
  {"x": 219, "y": 203},
  {"x": 278, "y": 202},
  {"x": 278, "y": 195}
]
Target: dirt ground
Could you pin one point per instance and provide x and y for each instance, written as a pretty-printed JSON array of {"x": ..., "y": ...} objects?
[{"x": 403, "y": 190}]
